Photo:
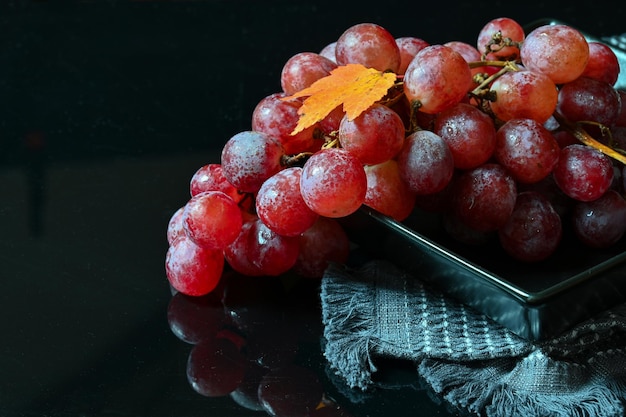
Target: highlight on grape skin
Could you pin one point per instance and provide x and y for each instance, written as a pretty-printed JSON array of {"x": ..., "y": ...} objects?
[{"x": 479, "y": 131}]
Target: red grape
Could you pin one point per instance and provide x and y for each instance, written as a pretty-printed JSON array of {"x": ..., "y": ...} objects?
[
  {"x": 533, "y": 231},
  {"x": 602, "y": 222},
  {"x": 583, "y": 173},
  {"x": 249, "y": 158},
  {"x": 333, "y": 183},
  {"x": 524, "y": 94},
  {"x": 559, "y": 51},
  {"x": 192, "y": 269},
  {"x": 278, "y": 118},
  {"x": 527, "y": 149},
  {"x": 387, "y": 192},
  {"x": 370, "y": 45},
  {"x": 175, "y": 225},
  {"x": 587, "y": 99},
  {"x": 505, "y": 28},
  {"x": 210, "y": 177},
  {"x": 425, "y": 162},
  {"x": 375, "y": 136},
  {"x": 409, "y": 46},
  {"x": 469, "y": 133},
  {"x": 270, "y": 252},
  {"x": 324, "y": 242},
  {"x": 303, "y": 69},
  {"x": 212, "y": 219},
  {"x": 603, "y": 64},
  {"x": 437, "y": 78},
  {"x": 279, "y": 204},
  {"x": 484, "y": 197}
]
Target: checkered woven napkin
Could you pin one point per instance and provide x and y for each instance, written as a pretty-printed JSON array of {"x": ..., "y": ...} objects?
[{"x": 475, "y": 364}]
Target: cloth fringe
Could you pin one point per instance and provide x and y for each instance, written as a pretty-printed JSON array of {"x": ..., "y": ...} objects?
[{"x": 580, "y": 374}]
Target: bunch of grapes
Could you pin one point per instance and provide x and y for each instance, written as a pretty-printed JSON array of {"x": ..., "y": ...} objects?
[{"x": 514, "y": 137}]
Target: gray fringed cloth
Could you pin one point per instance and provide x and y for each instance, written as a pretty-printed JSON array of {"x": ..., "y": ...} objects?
[{"x": 474, "y": 363}]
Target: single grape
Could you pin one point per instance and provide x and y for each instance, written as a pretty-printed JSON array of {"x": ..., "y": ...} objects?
[
  {"x": 175, "y": 225},
  {"x": 249, "y": 158},
  {"x": 533, "y": 231},
  {"x": 583, "y": 173},
  {"x": 494, "y": 48},
  {"x": 587, "y": 99},
  {"x": 236, "y": 254},
  {"x": 387, "y": 192},
  {"x": 279, "y": 204},
  {"x": 375, "y": 136},
  {"x": 215, "y": 368},
  {"x": 484, "y": 197},
  {"x": 603, "y": 64},
  {"x": 409, "y": 46},
  {"x": 271, "y": 253},
  {"x": 370, "y": 45},
  {"x": 192, "y": 269},
  {"x": 324, "y": 242},
  {"x": 524, "y": 94},
  {"x": 469, "y": 133},
  {"x": 210, "y": 177},
  {"x": 329, "y": 51},
  {"x": 425, "y": 162},
  {"x": 246, "y": 393},
  {"x": 333, "y": 183},
  {"x": 303, "y": 69},
  {"x": 602, "y": 222},
  {"x": 470, "y": 54},
  {"x": 559, "y": 51},
  {"x": 278, "y": 118},
  {"x": 212, "y": 219},
  {"x": 527, "y": 149},
  {"x": 437, "y": 78}
]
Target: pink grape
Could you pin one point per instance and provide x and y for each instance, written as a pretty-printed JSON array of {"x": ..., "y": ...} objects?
[
  {"x": 524, "y": 94},
  {"x": 303, "y": 69},
  {"x": 279, "y": 204},
  {"x": 175, "y": 225},
  {"x": 470, "y": 54},
  {"x": 527, "y": 149},
  {"x": 270, "y": 252},
  {"x": 602, "y": 222},
  {"x": 559, "y": 51},
  {"x": 249, "y": 158},
  {"x": 210, "y": 177},
  {"x": 469, "y": 133},
  {"x": 587, "y": 99},
  {"x": 333, "y": 183},
  {"x": 533, "y": 231},
  {"x": 583, "y": 173},
  {"x": 324, "y": 242},
  {"x": 375, "y": 136},
  {"x": 437, "y": 78},
  {"x": 370, "y": 45},
  {"x": 278, "y": 118},
  {"x": 425, "y": 162},
  {"x": 236, "y": 254},
  {"x": 507, "y": 28},
  {"x": 484, "y": 197},
  {"x": 329, "y": 52},
  {"x": 212, "y": 219},
  {"x": 409, "y": 46},
  {"x": 192, "y": 269},
  {"x": 603, "y": 64},
  {"x": 387, "y": 192}
]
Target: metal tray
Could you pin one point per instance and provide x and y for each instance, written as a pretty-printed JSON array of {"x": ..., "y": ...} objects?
[{"x": 536, "y": 301}]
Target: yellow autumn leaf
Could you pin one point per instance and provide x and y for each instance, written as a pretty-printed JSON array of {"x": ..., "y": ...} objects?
[{"x": 353, "y": 86}]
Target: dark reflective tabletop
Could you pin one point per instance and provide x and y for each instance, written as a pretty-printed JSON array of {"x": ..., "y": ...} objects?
[{"x": 106, "y": 110}]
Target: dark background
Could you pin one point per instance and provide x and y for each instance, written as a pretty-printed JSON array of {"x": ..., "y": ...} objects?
[{"x": 106, "y": 110}]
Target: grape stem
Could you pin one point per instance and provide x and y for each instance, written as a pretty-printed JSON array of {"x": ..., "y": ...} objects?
[{"x": 584, "y": 137}]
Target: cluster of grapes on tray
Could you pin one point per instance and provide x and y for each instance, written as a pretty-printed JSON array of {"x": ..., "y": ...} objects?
[{"x": 515, "y": 137}]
